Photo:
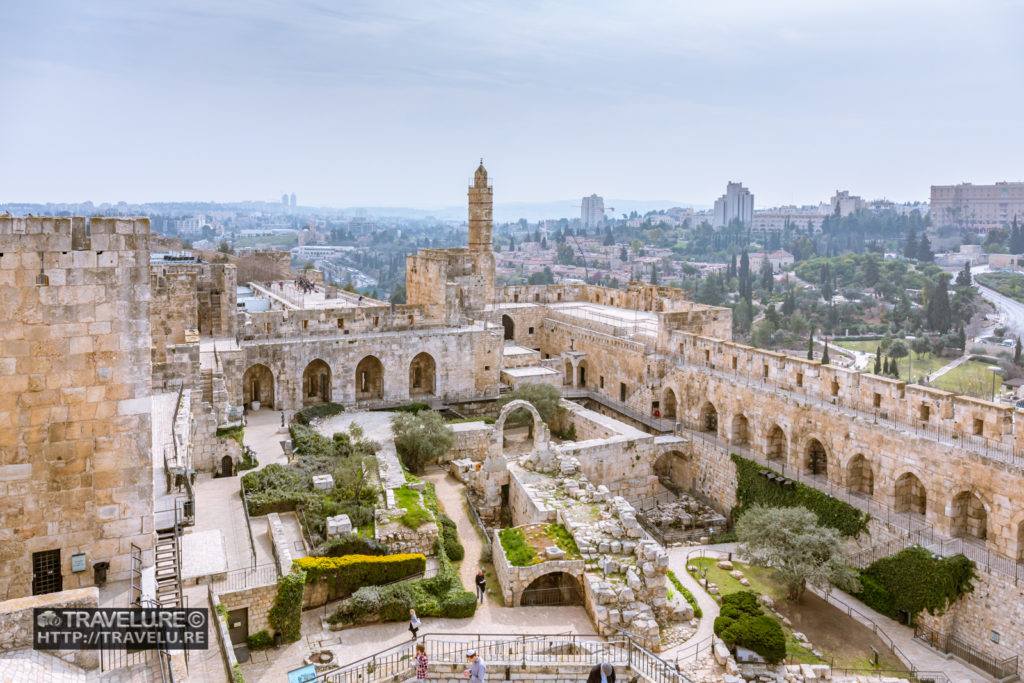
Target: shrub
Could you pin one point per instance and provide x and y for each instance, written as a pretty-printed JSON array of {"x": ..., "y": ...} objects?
[
  {"x": 236, "y": 432},
  {"x": 307, "y": 415},
  {"x": 743, "y": 622},
  {"x": 893, "y": 584},
  {"x": 458, "y": 604},
  {"x": 518, "y": 552},
  {"x": 753, "y": 489},
  {"x": 459, "y": 420},
  {"x": 307, "y": 441},
  {"x": 286, "y": 614},
  {"x": 236, "y": 673},
  {"x": 275, "y": 488},
  {"x": 345, "y": 575},
  {"x": 260, "y": 640},
  {"x": 697, "y": 612},
  {"x": 352, "y": 544},
  {"x": 450, "y": 537},
  {"x": 414, "y": 407},
  {"x": 563, "y": 539}
]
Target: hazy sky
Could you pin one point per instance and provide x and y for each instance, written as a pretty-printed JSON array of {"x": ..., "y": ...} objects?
[{"x": 384, "y": 103}]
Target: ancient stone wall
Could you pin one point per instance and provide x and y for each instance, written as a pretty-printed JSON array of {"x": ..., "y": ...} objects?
[
  {"x": 258, "y": 600},
  {"x": 217, "y": 296},
  {"x": 17, "y": 623},
  {"x": 74, "y": 395}
]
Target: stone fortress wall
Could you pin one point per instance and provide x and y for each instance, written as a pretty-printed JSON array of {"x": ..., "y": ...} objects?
[{"x": 74, "y": 396}]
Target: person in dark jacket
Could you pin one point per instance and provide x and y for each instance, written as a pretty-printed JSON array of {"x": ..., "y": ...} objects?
[
  {"x": 602, "y": 673},
  {"x": 481, "y": 585}
]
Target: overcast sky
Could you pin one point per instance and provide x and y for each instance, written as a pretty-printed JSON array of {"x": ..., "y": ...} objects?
[{"x": 383, "y": 103}]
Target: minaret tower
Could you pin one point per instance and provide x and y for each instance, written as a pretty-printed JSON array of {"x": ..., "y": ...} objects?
[{"x": 481, "y": 209}]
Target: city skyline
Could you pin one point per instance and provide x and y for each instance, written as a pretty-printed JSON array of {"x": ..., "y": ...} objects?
[{"x": 384, "y": 105}]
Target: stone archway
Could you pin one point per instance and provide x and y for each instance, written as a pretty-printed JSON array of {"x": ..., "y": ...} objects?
[
  {"x": 510, "y": 327},
  {"x": 675, "y": 471},
  {"x": 422, "y": 375},
  {"x": 541, "y": 436},
  {"x": 581, "y": 371},
  {"x": 258, "y": 385},
  {"x": 316, "y": 383},
  {"x": 668, "y": 404},
  {"x": 551, "y": 589},
  {"x": 708, "y": 420},
  {"x": 859, "y": 477},
  {"x": 369, "y": 379},
  {"x": 775, "y": 444},
  {"x": 968, "y": 516},
  {"x": 740, "y": 435},
  {"x": 815, "y": 458},
  {"x": 910, "y": 495}
]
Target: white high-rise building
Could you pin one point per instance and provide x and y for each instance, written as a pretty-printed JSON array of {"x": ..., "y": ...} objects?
[
  {"x": 737, "y": 202},
  {"x": 592, "y": 211}
]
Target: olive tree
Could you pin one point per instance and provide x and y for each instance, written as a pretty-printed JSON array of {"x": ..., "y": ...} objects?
[
  {"x": 790, "y": 540},
  {"x": 421, "y": 437}
]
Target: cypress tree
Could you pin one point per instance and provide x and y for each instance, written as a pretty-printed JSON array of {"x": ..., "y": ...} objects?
[
  {"x": 810, "y": 346},
  {"x": 878, "y": 360},
  {"x": 1016, "y": 353},
  {"x": 824, "y": 354},
  {"x": 895, "y": 369}
]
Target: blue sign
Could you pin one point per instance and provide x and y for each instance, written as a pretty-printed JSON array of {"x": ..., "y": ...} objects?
[{"x": 303, "y": 675}]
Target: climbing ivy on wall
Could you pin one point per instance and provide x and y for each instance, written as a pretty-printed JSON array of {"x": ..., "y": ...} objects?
[
  {"x": 286, "y": 614},
  {"x": 752, "y": 488},
  {"x": 914, "y": 580}
]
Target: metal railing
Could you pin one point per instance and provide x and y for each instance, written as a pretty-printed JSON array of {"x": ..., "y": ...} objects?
[
  {"x": 478, "y": 521},
  {"x": 498, "y": 650},
  {"x": 999, "y": 667},
  {"x": 248, "y": 522},
  {"x": 246, "y": 577}
]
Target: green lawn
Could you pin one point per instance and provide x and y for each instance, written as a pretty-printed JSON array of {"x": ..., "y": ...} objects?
[
  {"x": 286, "y": 240},
  {"x": 973, "y": 378},
  {"x": 922, "y": 364},
  {"x": 760, "y": 578}
]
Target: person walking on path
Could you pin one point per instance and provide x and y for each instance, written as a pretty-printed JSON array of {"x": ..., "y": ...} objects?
[
  {"x": 420, "y": 662},
  {"x": 414, "y": 623},
  {"x": 602, "y": 673},
  {"x": 477, "y": 671},
  {"x": 481, "y": 585}
]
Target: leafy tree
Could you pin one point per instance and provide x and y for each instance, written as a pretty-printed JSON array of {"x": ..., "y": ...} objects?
[
  {"x": 924, "y": 250},
  {"x": 963, "y": 278},
  {"x": 421, "y": 437},
  {"x": 898, "y": 349},
  {"x": 398, "y": 295},
  {"x": 565, "y": 255},
  {"x": 791, "y": 540},
  {"x": 225, "y": 248},
  {"x": 921, "y": 345},
  {"x": 542, "y": 277},
  {"x": 544, "y": 242},
  {"x": 870, "y": 277},
  {"x": 938, "y": 311}
]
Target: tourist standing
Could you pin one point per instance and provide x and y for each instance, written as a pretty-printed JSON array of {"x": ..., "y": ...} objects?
[
  {"x": 477, "y": 671},
  {"x": 481, "y": 585},
  {"x": 602, "y": 673},
  {"x": 414, "y": 623},
  {"x": 420, "y": 662}
]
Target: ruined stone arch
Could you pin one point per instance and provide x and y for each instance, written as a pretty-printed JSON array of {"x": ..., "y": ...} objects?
[
  {"x": 815, "y": 457},
  {"x": 668, "y": 404},
  {"x": 909, "y": 494},
  {"x": 510, "y": 327},
  {"x": 740, "y": 433},
  {"x": 968, "y": 515},
  {"x": 422, "y": 375},
  {"x": 540, "y": 430},
  {"x": 859, "y": 476},
  {"x": 258, "y": 385},
  {"x": 675, "y": 471},
  {"x": 776, "y": 444},
  {"x": 316, "y": 383},
  {"x": 707, "y": 421},
  {"x": 369, "y": 379}
]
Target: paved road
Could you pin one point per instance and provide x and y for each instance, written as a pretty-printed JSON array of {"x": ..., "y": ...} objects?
[{"x": 1011, "y": 313}]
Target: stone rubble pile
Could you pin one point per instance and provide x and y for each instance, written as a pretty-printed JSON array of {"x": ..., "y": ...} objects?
[{"x": 684, "y": 514}]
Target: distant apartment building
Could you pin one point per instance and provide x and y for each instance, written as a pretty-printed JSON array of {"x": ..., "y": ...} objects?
[
  {"x": 737, "y": 202},
  {"x": 795, "y": 217},
  {"x": 778, "y": 260},
  {"x": 189, "y": 225},
  {"x": 977, "y": 207},
  {"x": 292, "y": 200},
  {"x": 284, "y": 199},
  {"x": 846, "y": 203},
  {"x": 592, "y": 211}
]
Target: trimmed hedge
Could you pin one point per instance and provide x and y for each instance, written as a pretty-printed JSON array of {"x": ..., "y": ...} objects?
[
  {"x": 307, "y": 415},
  {"x": 450, "y": 537},
  {"x": 275, "y": 488},
  {"x": 345, "y": 575},
  {"x": 742, "y": 621},
  {"x": 914, "y": 580},
  {"x": 697, "y": 612},
  {"x": 286, "y": 614},
  {"x": 752, "y": 488}
]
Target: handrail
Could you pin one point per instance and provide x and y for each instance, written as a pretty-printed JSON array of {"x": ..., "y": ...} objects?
[
  {"x": 245, "y": 577},
  {"x": 248, "y": 522},
  {"x": 477, "y": 520}
]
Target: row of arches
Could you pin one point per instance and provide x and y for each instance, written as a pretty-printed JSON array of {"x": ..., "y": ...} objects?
[
  {"x": 967, "y": 511},
  {"x": 317, "y": 379}
]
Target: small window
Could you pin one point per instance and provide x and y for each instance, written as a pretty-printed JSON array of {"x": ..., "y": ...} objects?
[
  {"x": 994, "y": 636},
  {"x": 305, "y": 324},
  {"x": 487, "y": 367},
  {"x": 268, "y": 327},
  {"x": 601, "y": 380},
  {"x": 735, "y": 362},
  {"x": 536, "y": 297},
  {"x": 799, "y": 379},
  {"x": 979, "y": 426},
  {"x": 835, "y": 388},
  {"x": 515, "y": 298},
  {"x": 376, "y": 321},
  {"x": 925, "y": 413},
  {"x": 529, "y": 330},
  {"x": 622, "y": 391},
  {"x": 764, "y": 370},
  {"x": 877, "y": 400},
  {"x": 341, "y": 324},
  {"x": 410, "y": 320},
  {"x": 46, "y": 572},
  {"x": 707, "y": 355}
]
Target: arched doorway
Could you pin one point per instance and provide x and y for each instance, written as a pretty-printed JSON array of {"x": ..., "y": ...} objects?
[
  {"x": 668, "y": 405},
  {"x": 582, "y": 370},
  {"x": 740, "y": 430},
  {"x": 910, "y": 495},
  {"x": 969, "y": 516},
  {"x": 227, "y": 466},
  {"x": 369, "y": 379},
  {"x": 258, "y": 385},
  {"x": 316, "y": 383},
  {"x": 510, "y": 327},
  {"x": 775, "y": 446},
  {"x": 675, "y": 472},
  {"x": 422, "y": 371},
  {"x": 816, "y": 460},
  {"x": 859, "y": 477},
  {"x": 556, "y": 588},
  {"x": 708, "y": 421},
  {"x": 567, "y": 374}
]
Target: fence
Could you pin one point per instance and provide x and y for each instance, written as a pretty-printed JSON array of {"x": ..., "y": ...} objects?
[
  {"x": 499, "y": 650},
  {"x": 997, "y": 667},
  {"x": 478, "y": 521},
  {"x": 248, "y": 522},
  {"x": 246, "y": 577},
  {"x": 552, "y": 597}
]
